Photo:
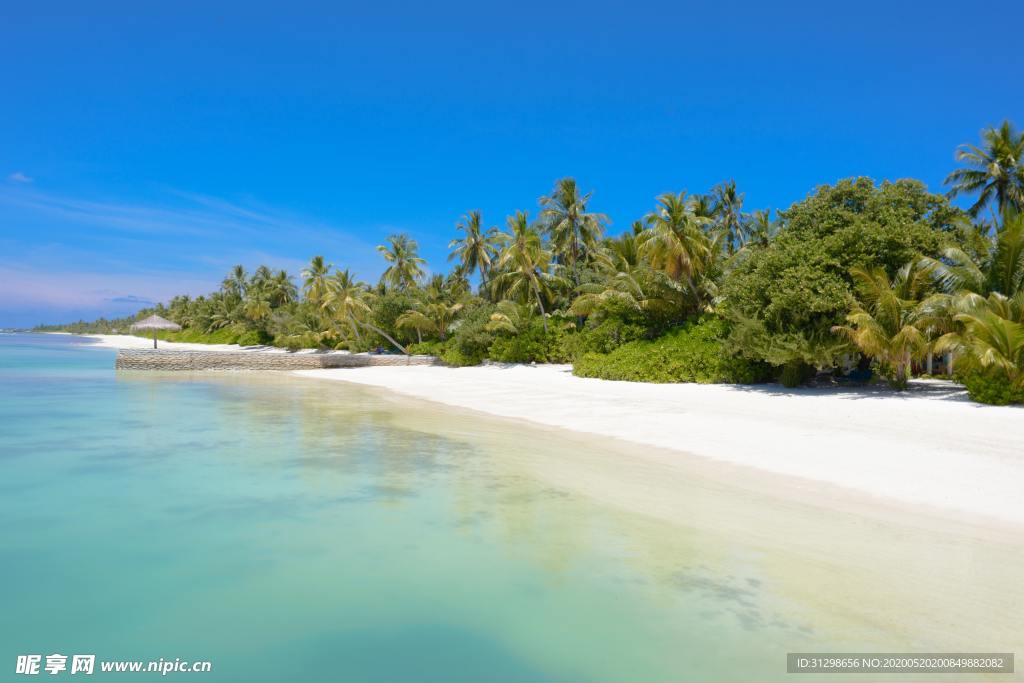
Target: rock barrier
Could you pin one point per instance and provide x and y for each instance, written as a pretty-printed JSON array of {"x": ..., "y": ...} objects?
[{"x": 171, "y": 359}]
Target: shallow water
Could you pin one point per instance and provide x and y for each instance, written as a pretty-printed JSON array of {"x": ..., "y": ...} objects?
[{"x": 289, "y": 529}]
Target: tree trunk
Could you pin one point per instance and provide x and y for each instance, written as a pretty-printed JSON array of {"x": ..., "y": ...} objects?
[
  {"x": 540, "y": 304},
  {"x": 383, "y": 334}
]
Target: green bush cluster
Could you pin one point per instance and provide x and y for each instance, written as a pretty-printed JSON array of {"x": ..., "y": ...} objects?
[
  {"x": 225, "y": 335},
  {"x": 533, "y": 345},
  {"x": 254, "y": 338},
  {"x": 604, "y": 337},
  {"x": 992, "y": 387},
  {"x": 692, "y": 353},
  {"x": 470, "y": 340}
]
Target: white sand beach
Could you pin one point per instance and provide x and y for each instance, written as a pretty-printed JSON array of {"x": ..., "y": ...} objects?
[
  {"x": 127, "y": 341},
  {"x": 929, "y": 446}
]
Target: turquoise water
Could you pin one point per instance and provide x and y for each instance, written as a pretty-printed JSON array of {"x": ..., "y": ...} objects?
[{"x": 289, "y": 529}]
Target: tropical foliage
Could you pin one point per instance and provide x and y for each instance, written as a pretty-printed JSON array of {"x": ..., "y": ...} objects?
[{"x": 878, "y": 276}]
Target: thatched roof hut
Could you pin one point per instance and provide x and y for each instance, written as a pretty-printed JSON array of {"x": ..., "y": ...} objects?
[{"x": 155, "y": 323}]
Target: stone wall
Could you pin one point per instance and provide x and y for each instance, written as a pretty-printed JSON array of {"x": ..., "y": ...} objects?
[{"x": 171, "y": 359}]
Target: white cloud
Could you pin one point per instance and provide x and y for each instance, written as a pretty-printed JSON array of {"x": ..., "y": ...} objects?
[{"x": 19, "y": 177}]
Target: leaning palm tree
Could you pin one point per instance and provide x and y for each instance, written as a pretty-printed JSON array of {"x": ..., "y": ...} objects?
[
  {"x": 345, "y": 301},
  {"x": 995, "y": 170},
  {"x": 404, "y": 267},
  {"x": 885, "y": 323},
  {"x": 475, "y": 250},
  {"x": 574, "y": 232}
]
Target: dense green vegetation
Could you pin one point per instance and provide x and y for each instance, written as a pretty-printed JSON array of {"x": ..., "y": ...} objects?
[
  {"x": 691, "y": 353},
  {"x": 858, "y": 274}
]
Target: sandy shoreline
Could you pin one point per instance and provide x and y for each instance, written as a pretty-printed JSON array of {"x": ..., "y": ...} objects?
[{"x": 929, "y": 446}]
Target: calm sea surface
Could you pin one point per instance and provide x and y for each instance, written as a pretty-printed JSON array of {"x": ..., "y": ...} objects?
[{"x": 295, "y": 530}]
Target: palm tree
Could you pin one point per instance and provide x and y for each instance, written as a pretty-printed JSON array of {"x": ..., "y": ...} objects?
[
  {"x": 676, "y": 242},
  {"x": 345, "y": 301},
  {"x": 1000, "y": 270},
  {"x": 703, "y": 206},
  {"x": 284, "y": 290},
  {"x": 475, "y": 251},
  {"x": 992, "y": 334},
  {"x": 573, "y": 231},
  {"x": 257, "y": 308},
  {"x": 404, "y": 269},
  {"x": 350, "y": 303},
  {"x": 728, "y": 210},
  {"x": 235, "y": 283},
  {"x": 511, "y": 317},
  {"x": 315, "y": 281},
  {"x": 995, "y": 170},
  {"x": 432, "y": 318},
  {"x": 524, "y": 264},
  {"x": 760, "y": 228},
  {"x": 886, "y": 322}
]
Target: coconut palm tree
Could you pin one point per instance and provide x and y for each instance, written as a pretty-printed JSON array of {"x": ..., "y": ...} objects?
[
  {"x": 235, "y": 283},
  {"x": 995, "y": 170},
  {"x": 475, "y": 250},
  {"x": 524, "y": 263},
  {"x": 284, "y": 290},
  {"x": 573, "y": 231},
  {"x": 728, "y": 212},
  {"x": 256, "y": 307},
  {"x": 703, "y": 206},
  {"x": 760, "y": 229},
  {"x": 405, "y": 269},
  {"x": 992, "y": 335},
  {"x": 345, "y": 301},
  {"x": 886, "y": 322},
  {"x": 315, "y": 283},
  {"x": 432, "y": 318},
  {"x": 676, "y": 242},
  {"x": 1000, "y": 270}
]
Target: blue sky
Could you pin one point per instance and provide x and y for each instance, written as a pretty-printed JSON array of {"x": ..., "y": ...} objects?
[{"x": 147, "y": 147}]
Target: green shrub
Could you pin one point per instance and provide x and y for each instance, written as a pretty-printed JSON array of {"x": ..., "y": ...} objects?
[
  {"x": 454, "y": 357},
  {"x": 253, "y": 338},
  {"x": 532, "y": 345},
  {"x": 795, "y": 373},
  {"x": 427, "y": 348},
  {"x": 605, "y": 337},
  {"x": 692, "y": 353},
  {"x": 225, "y": 335},
  {"x": 469, "y": 341},
  {"x": 992, "y": 387}
]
